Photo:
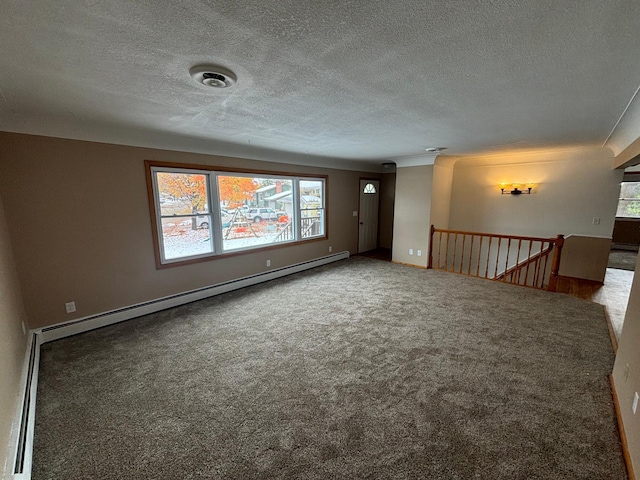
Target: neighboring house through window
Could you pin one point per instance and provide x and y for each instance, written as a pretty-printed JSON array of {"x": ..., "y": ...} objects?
[{"x": 200, "y": 213}]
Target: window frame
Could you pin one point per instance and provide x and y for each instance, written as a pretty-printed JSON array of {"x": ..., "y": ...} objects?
[
  {"x": 214, "y": 208},
  {"x": 627, "y": 179}
]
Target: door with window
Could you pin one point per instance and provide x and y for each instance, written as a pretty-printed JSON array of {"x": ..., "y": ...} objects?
[{"x": 368, "y": 215}]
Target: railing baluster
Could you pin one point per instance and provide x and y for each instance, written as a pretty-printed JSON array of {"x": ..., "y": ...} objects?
[
  {"x": 544, "y": 271},
  {"x": 526, "y": 273},
  {"x": 518, "y": 269},
  {"x": 446, "y": 254},
  {"x": 495, "y": 268},
  {"x": 464, "y": 239},
  {"x": 486, "y": 271},
  {"x": 537, "y": 269},
  {"x": 455, "y": 247},
  {"x": 470, "y": 254},
  {"x": 530, "y": 269},
  {"x": 506, "y": 261}
]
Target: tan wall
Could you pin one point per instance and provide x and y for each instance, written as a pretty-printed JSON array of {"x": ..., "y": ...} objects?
[
  {"x": 79, "y": 221},
  {"x": 387, "y": 201},
  {"x": 412, "y": 214},
  {"x": 441, "y": 195},
  {"x": 12, "y": 340},
  {"x": 585, "y": 257},
  {"x": 572, "y": 187},
  {"x": 626, "y": 386}
]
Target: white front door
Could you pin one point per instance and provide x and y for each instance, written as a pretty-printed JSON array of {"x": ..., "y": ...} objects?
[{"x": 368, "y": 215}]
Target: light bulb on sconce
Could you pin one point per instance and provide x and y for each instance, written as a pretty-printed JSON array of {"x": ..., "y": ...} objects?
[{"x": 516, "y": 188}]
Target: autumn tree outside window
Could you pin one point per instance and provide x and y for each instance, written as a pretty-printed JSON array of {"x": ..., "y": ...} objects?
[{"x": 202, "y": 213}]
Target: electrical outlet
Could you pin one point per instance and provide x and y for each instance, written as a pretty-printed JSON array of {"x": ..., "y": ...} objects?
[
  {"x": 411, "y": 251},
  {"x": 70, "y": 307},
  {"x": 330, "y": 249},
  {"x": 634, "y": 407},
  {"x": 596, "y": 221},
  {"x": 626, "y": 372},
  {"x": 419, "y": 253},
  {"x": 268, "y": 263},
  {"x": 355, "y": 213}
]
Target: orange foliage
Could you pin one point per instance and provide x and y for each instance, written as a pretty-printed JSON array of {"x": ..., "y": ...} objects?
[
  {"x": 235, "y": 190},
  {"x": 184, "y": 186}
]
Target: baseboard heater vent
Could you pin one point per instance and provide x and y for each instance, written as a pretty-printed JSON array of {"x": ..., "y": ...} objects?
[
  {"x": 85, "y": 324},
  {"x": 24, "y": 444}
]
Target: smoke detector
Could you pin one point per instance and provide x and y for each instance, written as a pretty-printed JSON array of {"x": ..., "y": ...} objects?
[
  {"x": 213, "y": 76},
  {"x": 435, "y": 149}
]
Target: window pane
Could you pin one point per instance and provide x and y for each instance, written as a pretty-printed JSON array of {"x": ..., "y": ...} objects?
[
  {"x": 628, "y": 208},
  {"x": 259, "y": 211},
  {"x": 182, "y": 193},
  {"x": 369, "y": 188},
  {"x": 311, "y": 208},
  {"x": 629, "y": 203},
  {"x": 186, "y": 236}
]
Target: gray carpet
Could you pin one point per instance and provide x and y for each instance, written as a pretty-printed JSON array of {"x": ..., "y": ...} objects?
[
  {"x": 360, "y": 369},
  {"x": 623, "y": 259}
]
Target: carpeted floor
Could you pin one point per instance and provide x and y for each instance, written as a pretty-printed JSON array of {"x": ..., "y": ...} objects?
[
  {"x": 359, "y": 369},
  {"x": 622, "y": 259}
]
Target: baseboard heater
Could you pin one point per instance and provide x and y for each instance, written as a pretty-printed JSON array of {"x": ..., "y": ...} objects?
[
  {"x": 23, "y": 444},
  {"x": 23, "y": 447},
  {"x": 92, "y": 322}
]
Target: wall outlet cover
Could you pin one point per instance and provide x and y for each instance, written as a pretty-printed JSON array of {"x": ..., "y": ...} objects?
[{"x": 70, "y": 307}]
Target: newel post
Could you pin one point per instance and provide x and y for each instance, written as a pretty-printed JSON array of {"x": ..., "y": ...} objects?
[
  {"x": 430, "y": 264},
  {"x": 555, "y": 265}
]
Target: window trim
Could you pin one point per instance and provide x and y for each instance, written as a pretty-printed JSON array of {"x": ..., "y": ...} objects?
[{"x": 211, "y": 171}]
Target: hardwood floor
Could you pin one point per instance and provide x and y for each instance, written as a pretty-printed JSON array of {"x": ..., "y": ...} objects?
[
  {"x": 614, "y": 294},
  {"x": 378, "y": 254}
]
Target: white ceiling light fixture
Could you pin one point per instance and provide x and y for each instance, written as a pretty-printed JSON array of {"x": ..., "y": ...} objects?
[
  {"x": 213, "y": 76},
  {"x": 435, "y": 149}
]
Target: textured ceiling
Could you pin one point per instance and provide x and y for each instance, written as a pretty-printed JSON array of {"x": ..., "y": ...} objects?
[{"x": 361, "y": 80}]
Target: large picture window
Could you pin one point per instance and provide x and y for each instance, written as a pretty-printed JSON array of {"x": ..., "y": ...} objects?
[{"x": 201, "y": 213}]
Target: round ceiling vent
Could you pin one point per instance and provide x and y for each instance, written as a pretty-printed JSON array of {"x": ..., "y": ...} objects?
[{"x": 213, "y": 76}]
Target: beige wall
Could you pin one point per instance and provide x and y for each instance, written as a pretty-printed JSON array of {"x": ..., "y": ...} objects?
[
  {"x": 387, "y": 201},
  {"x": 572, "y": 187},
  {"x": 412, "y": 214},
  {"x": 12, "y": 340},
  {"x": 79, "y": 221},
  {"x": 585, "y": 257},
  {"x": 441, "y": 195},
  {"x": 627, "y": 385}
]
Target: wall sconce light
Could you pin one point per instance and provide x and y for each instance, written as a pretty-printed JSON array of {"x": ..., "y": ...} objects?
[{"x": 515, "y": 189}]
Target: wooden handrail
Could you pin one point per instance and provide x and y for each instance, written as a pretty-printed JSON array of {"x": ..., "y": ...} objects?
[{"x": 488, "y": 255}]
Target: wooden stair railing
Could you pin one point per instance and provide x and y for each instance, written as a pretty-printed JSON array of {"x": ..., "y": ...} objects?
[{"x": 527, "y": 261}]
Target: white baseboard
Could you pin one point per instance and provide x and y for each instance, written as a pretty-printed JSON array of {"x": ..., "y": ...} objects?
[
  {"x": 20, "y": 454},
  {"x": 19, "y": 459},
  {"x": 85, "y": 324}
]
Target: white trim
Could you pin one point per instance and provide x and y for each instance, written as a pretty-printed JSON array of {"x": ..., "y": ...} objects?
[
  {"x": 24, "y": 424},
  {"x": 85, "y": 324},
  {"x": 29, "y": 380},
  {"x": 415, "y": 160}
]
